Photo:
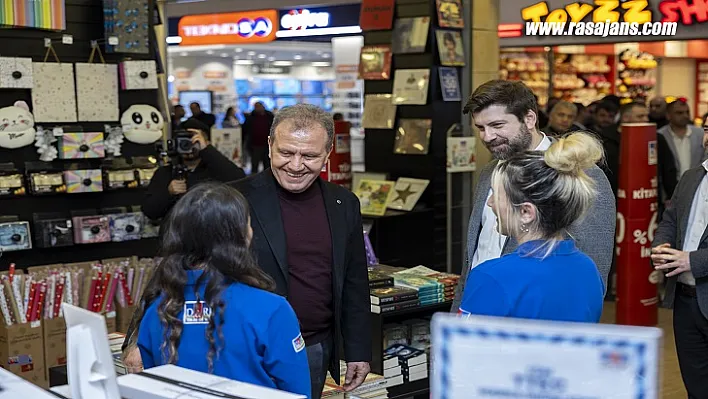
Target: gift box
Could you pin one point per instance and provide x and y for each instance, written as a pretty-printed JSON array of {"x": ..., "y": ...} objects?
[
  {"x": 83, "y": 181},
  {"x": 81, "y": 145},
  {"x": 15, "y": 236},
  {"x": 91, "y": 229},
  {"x": 126, "y": 226},
  {"x": 138, "y": 75},
  {"x": 15, "y": 73}
]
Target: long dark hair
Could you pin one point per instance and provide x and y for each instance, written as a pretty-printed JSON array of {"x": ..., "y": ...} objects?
[{"x": 206, "y": 230}]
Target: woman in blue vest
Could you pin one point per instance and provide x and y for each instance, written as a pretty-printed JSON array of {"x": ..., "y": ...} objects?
[
  {"x": 536, "y": 197},
  {"x": 212, "y": 311}
]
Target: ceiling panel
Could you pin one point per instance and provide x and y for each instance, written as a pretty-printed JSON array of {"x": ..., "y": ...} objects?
[{"x": 178, "y": 8}]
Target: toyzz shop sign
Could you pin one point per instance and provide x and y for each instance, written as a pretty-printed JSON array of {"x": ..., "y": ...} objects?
[
  {"x": 523, "y": 25},
  {"x": 229, "y": 28}
]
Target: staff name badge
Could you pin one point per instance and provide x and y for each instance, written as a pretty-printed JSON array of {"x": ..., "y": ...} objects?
[
  {"x": 196, "y": 312},
  {"x": 486, "y": 357}
]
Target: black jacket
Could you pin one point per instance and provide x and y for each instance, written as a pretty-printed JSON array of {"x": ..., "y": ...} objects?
[
  {"x": 213, "y": 166},
  {"x": 352, "y": 313},
  {"x": 247, "y": 127}
]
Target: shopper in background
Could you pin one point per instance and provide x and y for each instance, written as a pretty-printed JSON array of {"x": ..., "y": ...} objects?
[
  {"x": 230, "y": 119},
  {"x": 504, "y": 112},
  {"x": 657, "y": 112},
  {"x": 256, "y": 129},
  {"x": 582, "y": 117},
  {"x": 208, "y": 119},
  {"x": 204, "y": 164},
  {"x": 337, "y": 117},
  {"x": 211, "y": 306},
  {"x": 536, "y": 197},
  {"x": 680, "y": 249},
  {"x": 177, "y": 115},
  {"x": 684, "y": 139},
  {"x": 308, "y": 236},
  {"x": 604, "y": 116},
  {"x": 561, "y": 118}
]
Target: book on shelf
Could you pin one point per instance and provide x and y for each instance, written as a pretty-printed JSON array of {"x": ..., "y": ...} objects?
[
  {"x": 379, "y": 280},
  {"x": 392, "y": 307},
  {"x": 381, "y": 296}
]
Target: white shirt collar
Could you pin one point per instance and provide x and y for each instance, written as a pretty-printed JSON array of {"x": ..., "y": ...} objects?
[
  {"x": 676, "y": 136},
  {"x": 705, "y": 165},
  {"x": 544, "y": 144}
]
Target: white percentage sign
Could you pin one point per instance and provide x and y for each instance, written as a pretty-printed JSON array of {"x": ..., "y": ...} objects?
[{"x": 640, "y": 236}]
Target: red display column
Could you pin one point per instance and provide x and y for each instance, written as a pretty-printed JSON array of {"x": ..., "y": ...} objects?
[
  {"x": 637, "y": 194},
  {"x": 338, "y": 168}
]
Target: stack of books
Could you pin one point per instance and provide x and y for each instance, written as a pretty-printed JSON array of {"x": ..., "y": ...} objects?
[
  {"x": 115, "y": 342},
  {"x": 405, "y": 363},
  {"x": 398, "y": 288},
  {"x": 433, "y": 286},
  {"x": 389, "y": 299}
]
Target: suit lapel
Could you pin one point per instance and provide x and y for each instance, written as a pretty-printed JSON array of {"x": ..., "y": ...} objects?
[
  {"x": 337, "y": 220},
  {"x": 686, "y": 203},
  {"x": 266, "y": 208}
]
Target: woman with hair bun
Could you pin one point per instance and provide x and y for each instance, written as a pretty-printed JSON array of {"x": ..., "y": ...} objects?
[{"x": 536, "y": 197}]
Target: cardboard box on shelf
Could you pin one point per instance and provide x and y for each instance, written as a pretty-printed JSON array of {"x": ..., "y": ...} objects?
[
  {"x": 22, "y": 351},
  {"x": 124, "y": 316},
  {"x": 54, "y": 333}
]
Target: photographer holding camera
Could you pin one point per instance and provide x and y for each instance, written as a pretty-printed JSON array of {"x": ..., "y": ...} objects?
[{"x": 196, "y": 161}]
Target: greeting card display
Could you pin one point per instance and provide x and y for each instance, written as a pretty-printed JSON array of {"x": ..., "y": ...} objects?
[
  {"x": 410, "y": 86},
  {"x": 83, "y": 181},
  {"x": 461, "y": 153},
  {"x": 138, "y": 75},
  {"x": 127, "y": 26},
  {"x": 16, "y": 73},
  {"x": 374, "y": 196},
  {"x": 15, "y": 236},
  {"x": 406, "y": 193},
  {"x": 410, "y": 35},
  {"x": 413, "y": 136},
  {"x": 375, "y": 63},
  {"x": 52, "y": 233},
  {"x": 53, "y": 92},
  {"x": 379, "y": 113},
  {"x": 47, "y": 182},
  {"x": 450, "y": 47},
  {"x": 450, "y": 14},
  {"x": 78, "y": 145},
  {"x": 126, "y": 226},
  {"x": 449, "y": 84},
  {"x": 91, "y": 229},
  {"x": 97, "y": 92}
]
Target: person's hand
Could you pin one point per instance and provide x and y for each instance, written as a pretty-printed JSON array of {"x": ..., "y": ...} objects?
[
  {"x": 132, "y": 360},
  {"x": 199, "y": 139},
  {"x": 177, "y": 187},
  {"x": 670, "y": 258},
  {"x": 658, "y": 250},
  {"x": 356, "y": 373}
]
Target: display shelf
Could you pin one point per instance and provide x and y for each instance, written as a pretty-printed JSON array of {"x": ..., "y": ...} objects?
[
  {"x": 582, "y": 78},
  {"x": 701, "y": 88},
  {"x": 416, "y": 389},
  {"x": 530, "y": 68},
  {"x": 403, "y": 238},
  {"x": 636, "y": 79}
]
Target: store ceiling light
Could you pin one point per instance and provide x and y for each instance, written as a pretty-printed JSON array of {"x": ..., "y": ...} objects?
[
  {"x": 224, "y": 55},
  {"x": 251, "y": 53},
  {"x": 170, "y": 78},
  {"x": 173, "y": 39},
  {"x": 342, "y": 30},
  {"x": 297, "y": 57},
  {"x": 210, "y": 52},
  {"x": 183, "y": 54},
  {"x": 283, "y": 63},
  {"x": 271, "y": 59},
  {"x": 261, "y": 56},
  {"x": 321, "y": 64},
  {"x": 238, "y": 50},
  {"x": 244, "y": 62}
]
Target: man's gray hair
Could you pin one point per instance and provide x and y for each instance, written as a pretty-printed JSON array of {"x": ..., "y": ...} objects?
[{"x": 303, "y": 116}]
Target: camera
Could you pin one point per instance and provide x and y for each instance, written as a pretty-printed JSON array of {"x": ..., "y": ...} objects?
[{"x": 183, "y": 142}]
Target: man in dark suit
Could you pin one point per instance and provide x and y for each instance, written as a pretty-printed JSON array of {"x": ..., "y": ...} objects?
[
  {"x": 680, "y": 249},
  {"x": 505, "y": 113},
  {"x": 308, "y": 235}
]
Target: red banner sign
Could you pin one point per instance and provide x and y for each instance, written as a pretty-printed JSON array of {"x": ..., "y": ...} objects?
[{"x": 637, "y": 206}]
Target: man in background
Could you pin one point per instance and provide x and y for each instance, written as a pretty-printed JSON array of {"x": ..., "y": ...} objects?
[
  {"x": 582, "y": 118},
  {"x": 177, "y": 115},
  {"x": 684, "y": 139},
  {"x": 605, "y": 115},
  {"x": 657, "y": 112},
  {"x": 207, "y": 119},
  {"x": 256, "y": 129},
  {"x": 203, "y": 164},
  {"x": 561, "y": 118}
]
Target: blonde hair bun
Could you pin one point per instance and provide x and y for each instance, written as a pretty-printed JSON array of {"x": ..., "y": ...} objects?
[{"x": 574, "y": 153}]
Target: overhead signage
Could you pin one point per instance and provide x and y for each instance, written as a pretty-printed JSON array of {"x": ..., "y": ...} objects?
[
  {"x": 690, "y": 16},
  {"x": 304, "y": 19},
  {"x": 229, "y": 28}
]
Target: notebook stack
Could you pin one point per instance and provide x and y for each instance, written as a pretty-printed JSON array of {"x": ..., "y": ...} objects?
[
  {"x": 405, "y": 363},
  {"x": 433, "y": 286},
  {"x": 390, "y": 299}
]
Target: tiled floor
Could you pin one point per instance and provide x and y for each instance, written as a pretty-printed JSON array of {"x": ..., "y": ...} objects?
[{"x": 672, "y": 386}]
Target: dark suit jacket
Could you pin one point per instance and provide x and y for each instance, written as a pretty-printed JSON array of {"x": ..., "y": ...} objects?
[
  {"x": 672, "y": 230},
  {"x": 350, "y": 277}
]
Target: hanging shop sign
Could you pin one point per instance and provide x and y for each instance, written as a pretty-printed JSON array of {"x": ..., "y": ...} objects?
[
  {"x": 564, "y": 22},
  {"x": 229, "y": 28},
  {"x": 319, "y": 21}
]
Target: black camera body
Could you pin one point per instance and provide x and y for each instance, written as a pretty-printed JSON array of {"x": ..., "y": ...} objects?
[
  {"x": 172, "y": 154},
  {"x": 183, "y": 142}
]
